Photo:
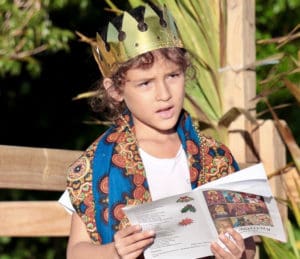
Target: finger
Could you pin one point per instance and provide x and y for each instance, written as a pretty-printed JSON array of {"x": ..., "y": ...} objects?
[
  {"x": 133, "y": 237},
  {"x": 120, "y": 240},
  {"x": 217, "y": 250},
  {"x": 127, "y": 231},
  {"x": 133, "y": 242},
  {"x": 231, "y": 244},
  {"x": 140, "y": 245},
  {"x": 237, "y": 237}
]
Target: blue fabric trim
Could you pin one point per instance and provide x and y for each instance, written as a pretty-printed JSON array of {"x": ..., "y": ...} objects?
[
  {"x": 101, "y": 167},
  {"x": 186, "y": 131}
]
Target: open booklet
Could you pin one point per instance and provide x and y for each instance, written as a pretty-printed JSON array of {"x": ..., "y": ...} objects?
[{"x": 186, "y": 224}]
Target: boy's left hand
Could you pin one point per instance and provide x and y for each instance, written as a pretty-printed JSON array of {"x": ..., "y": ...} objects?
[{"x": 234, "y": 243}]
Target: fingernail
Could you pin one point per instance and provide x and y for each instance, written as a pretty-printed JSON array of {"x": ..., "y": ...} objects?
[
  {"x": 222, "y": 236},
  {"x": 138, "y": 227},
  {"x": 151, "y": 232}
]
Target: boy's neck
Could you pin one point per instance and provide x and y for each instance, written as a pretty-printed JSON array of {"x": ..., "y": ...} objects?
[{"x": 160, "y": 145}]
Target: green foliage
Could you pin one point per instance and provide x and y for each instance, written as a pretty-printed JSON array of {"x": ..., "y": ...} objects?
[
  {"x": 278, "y": 87},
  {"x": 275, "y": 19},
  {"x": 33, "y": 248},
  {"x": 278, "y": 250},
  {"x": 276, "y": 31},
  {"x": 26, "y": 31}
]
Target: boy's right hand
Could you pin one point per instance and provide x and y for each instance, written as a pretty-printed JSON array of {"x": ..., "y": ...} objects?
[{"x": 132, "y": 241}]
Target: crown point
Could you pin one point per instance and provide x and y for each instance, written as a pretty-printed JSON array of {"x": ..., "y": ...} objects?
[
  {"x": 100, "y": 43},
  {"x": 112, "y": 34},
  {"x": 149, "y": 12},
  {"x": 128, "y": 22}
]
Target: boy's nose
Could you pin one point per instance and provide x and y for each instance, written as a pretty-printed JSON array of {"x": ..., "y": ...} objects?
[{"x": 162, "y": 91}]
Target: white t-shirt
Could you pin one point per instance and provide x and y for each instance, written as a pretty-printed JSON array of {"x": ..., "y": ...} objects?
[{"x": 165, "y": 176}]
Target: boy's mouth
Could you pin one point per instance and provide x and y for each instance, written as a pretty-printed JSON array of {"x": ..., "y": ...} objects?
[{"x": 166, "y": 113}]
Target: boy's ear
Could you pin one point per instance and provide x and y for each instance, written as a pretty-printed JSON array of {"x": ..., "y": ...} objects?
[{"x": 111, "y": 90}]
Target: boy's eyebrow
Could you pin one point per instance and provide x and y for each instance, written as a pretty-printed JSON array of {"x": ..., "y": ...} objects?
[
  {"x": 141, "y": 80},
  {"x": 176, "y": 70}
]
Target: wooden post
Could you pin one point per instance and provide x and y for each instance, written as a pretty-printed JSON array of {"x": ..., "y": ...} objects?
[
  {"x": 239, "y": 83},
  {"x": 240, "y": 87},
  {"x": 273, "y": 155}
]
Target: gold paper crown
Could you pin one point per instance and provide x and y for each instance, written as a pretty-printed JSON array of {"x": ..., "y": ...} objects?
[{"x": 130, "y": 41}]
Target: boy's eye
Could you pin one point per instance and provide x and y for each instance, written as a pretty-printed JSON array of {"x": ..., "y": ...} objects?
[
  {"x": 143, "y": 84},
  {"x": 172, "y": 75}
]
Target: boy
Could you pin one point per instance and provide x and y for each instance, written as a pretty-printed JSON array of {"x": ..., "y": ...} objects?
[{"x": 152, "y": 150}]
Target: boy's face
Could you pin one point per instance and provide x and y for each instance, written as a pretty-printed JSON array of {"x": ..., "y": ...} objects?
[{"x": 155, "y": 96}]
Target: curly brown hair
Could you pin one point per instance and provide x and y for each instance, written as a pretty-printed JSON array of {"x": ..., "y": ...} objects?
[{"x": 111, "y": 109}]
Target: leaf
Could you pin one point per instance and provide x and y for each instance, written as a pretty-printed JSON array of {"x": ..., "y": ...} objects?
[
  {"x": 276, "y": 250},
  {"x": 292, "y": 189},
  {"x": 233, "y": 114},
  {"x": 85, "y": 95},
  {"x": 135, "y": 3},
  {"x": 292, "y": 239},
  {"x": 274, "y": 59},
  {"x": 294, "y": 89}
]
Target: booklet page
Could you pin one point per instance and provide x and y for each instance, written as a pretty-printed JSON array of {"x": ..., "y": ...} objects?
[
  {"x": 177, "y": 226},
  {"x": 186, "y": 224}
]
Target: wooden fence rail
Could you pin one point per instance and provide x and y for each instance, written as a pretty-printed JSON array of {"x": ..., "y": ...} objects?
[{"x": 34, "y": 169}]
